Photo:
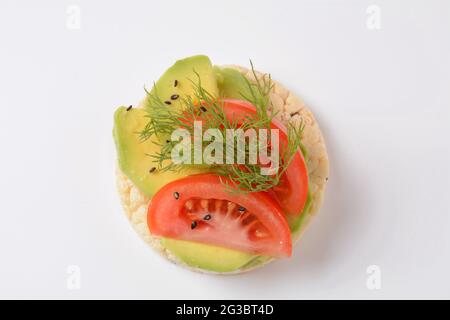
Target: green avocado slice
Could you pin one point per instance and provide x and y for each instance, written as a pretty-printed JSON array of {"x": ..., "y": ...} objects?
[
  {"x": 179, "y": 81},
  {"x": 231, "y": 83},
  {"x": 133, "y": 154},
  {"x": 206, "y": 256}
]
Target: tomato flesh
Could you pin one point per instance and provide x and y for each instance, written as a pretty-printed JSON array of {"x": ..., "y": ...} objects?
[{"x": 199, "y": 208}]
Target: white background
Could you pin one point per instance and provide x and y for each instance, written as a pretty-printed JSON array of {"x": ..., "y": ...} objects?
[{"x": 381, "y": 97}]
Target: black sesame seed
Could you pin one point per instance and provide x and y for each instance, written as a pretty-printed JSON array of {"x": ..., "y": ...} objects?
[
  {"x": 167, "y": 102},
  {"x": 152, "y": 169},
  {"x": 167, "y": 141},
  {"x": 174, "y": 97},
  {"x": 207, "y": 217},
  {"x": 193, "y": 225},
  {"x": 176, "y": 195},
  {"x": 241, "y": 209},
  {"x": 203, "y": 108},
  {"x": 129, "y": 107},
  {"x": 175, "y": 83}
]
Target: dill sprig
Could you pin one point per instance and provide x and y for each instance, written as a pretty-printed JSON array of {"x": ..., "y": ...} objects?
[{"x": 162, "y": 121}]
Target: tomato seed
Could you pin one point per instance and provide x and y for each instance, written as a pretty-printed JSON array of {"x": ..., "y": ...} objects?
[
  {"x": 174, "y": 97},
  {"x": 189, "y": 205},
  {"x": 176, "y": 195},
  {"x": 204, "y": 204},
  {"x": 193, "y": 225},
  {"x": 207, "y": 217}
]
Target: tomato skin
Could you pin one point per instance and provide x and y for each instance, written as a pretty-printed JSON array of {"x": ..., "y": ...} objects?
[
  {"x": 167, "y": 217},
  {"x": 293, "y": 190}
]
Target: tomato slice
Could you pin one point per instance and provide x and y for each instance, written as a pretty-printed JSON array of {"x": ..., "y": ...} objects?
[
  {"x": 292, "y": 190},
  {"x": 199, "y": 208}
]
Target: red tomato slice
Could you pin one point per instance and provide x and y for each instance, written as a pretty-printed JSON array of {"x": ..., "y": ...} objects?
[
  {"x": 198, "y": 208},
  {"x": 293, "y": 188}
]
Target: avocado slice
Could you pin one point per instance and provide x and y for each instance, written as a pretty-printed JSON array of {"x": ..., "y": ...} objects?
[
  {"x": 231, "y": 83},
  {"x": 207, "y": 257},
  {"x": 133, "y": 154},
  {"x": 179, "y": 81},
  {"x": 174, "y": 85}
]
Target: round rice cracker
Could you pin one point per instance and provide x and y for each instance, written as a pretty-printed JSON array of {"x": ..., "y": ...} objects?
[{"x": 291, "y": 109}]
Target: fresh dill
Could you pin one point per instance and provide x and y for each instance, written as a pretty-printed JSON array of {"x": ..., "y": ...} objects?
[{"x": 162, "y": 121}]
